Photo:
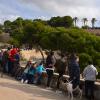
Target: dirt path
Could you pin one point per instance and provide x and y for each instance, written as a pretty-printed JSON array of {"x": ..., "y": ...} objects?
[{"x": 13, "y": 90}]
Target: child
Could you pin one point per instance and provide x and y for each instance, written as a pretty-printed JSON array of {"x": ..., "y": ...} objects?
[
  {"x": 25, "y": 73},
  {"x": 32, "y": 72},
  {"x": 39, "y": 71}
]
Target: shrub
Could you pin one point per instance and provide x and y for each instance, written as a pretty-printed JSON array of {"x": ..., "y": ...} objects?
[{"x": 84, "y": 58}]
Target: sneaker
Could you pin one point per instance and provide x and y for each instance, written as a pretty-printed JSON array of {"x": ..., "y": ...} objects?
[
  {"x": 22, "y": 81},
  {"x": 26, "y": 81}
]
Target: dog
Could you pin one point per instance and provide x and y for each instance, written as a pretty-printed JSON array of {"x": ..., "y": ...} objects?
[{"x": 68, "y": 87}]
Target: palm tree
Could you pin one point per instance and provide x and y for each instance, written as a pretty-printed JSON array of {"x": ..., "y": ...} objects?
[
  {"x": 85, "y": 21},
  {"x": 75, "y": 19},
  {"x": 93, "y": 22}
]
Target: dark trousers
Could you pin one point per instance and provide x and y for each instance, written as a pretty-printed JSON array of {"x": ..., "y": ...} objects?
[
  {"x": 58, "y": 81},
  {"x": 89, "y": 90},
  {"x": 10, "y": 67},
  {"x": 75, "y": 82},
  {"x": 4, "y": 67},
  {"x": 15, "y": 68},
  {"x": 30, "y": 79},
  {"x": 50, "y": 74},
  {"x": 24, "y": 76}
]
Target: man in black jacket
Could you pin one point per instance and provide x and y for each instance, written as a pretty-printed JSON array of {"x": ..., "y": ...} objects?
[
  {"x": 74, "y": 70},
  {"x": 50, "y": 62}
]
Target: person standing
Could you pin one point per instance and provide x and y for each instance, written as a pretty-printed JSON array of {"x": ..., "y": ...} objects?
[
  {"x": 1, "y": 55},
  {"x": 12, "y": 60},
  {"x": 61, "y": 68},
  {"x": 74, "y": 70},
  {"x": 50, "y": 62},
  {"x": 89, "y": 75},
  {"x": 5, "y": 61},
  {"x": 16, "y": 63},
  {"x": 1, "y": 62}
]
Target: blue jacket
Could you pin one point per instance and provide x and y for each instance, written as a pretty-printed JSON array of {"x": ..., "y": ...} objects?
[
  {"x": 17, "y": 57},
  {"x": 40, "y": 69}
]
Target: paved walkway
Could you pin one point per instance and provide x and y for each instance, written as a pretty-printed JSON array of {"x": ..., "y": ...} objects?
[{"x": 14, "y": 90}]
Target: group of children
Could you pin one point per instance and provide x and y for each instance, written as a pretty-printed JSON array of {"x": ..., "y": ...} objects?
[{"x": 33, "y": 73}]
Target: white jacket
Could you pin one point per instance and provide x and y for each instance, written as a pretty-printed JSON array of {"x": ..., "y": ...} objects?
[{"x": 90, "y": 73}]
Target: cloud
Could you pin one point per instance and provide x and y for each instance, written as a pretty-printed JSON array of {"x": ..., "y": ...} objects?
[
  {"x": 47, "y": 8},
  {"x": 7, "y": 11},
  {"x": 67, "y": 7},
  {"x": 75, "y": 8}
]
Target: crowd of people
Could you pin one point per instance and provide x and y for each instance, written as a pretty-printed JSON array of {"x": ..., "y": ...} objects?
[
  {"x": 89, "y": 74},
  {"x": 9, "y": 60},
  {"x": 33, "y": 71}
]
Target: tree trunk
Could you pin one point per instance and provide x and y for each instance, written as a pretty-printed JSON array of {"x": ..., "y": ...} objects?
[{"x": 40, "y": 50}]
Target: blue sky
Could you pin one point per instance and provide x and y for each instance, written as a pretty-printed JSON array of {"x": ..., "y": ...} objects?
[{"x": 11, "y": 9}]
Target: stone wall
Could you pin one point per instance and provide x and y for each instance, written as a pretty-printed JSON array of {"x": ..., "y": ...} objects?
[{"x": 54, "y": 83}]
